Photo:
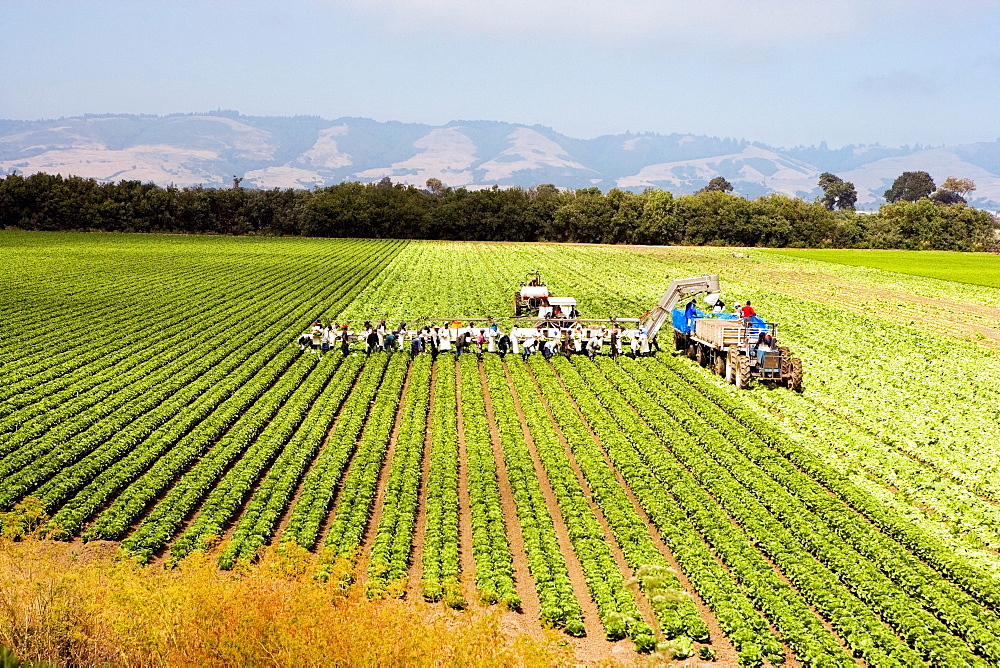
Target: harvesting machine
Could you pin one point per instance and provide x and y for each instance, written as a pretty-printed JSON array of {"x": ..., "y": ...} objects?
[{"x": 740, "y": 349}]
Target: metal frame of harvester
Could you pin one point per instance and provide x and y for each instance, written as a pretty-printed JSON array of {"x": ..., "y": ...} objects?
[{"x": 732, "y": 347}]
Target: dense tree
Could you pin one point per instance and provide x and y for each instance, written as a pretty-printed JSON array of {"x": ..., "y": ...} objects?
[
  {"x": 953, "y": 191},
  {"x": 837, "y": 193},
  {"x": 434, "y": 185},
  {"x": 909, "y": 187},
  {"x": 718, "y": 184},
  {"x": 384, "y": 209}
]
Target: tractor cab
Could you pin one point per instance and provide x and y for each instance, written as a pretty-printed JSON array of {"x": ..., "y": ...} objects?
[{"x": 531, "y": 296}]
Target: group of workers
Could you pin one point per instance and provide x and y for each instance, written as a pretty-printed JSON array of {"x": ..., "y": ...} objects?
[{"x": 456, "y": 338}]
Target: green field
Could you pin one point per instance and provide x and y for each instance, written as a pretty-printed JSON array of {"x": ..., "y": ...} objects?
[
  {"x": 152, "y": 393},
  {"x": 974, "y": 268}
]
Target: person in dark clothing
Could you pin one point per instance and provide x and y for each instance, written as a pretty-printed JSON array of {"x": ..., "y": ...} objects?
[
  {"x": 372, "y": 341},
  {"x": 690, "y": 313},
  {"x": 503, "y": 345},
  {"x": 614, "y": 343},
  {"x": 390, "y": 342},
  {"x": 345, "y": 346},
  {"x": 415, "y": 346},
  {"x": 434, "y": 338}
]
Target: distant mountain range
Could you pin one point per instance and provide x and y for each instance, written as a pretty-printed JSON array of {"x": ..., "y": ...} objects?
[{"x": 307, "y": 152}]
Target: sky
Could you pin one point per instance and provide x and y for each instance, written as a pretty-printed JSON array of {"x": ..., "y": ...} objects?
[{"x": 782, "y": 72}]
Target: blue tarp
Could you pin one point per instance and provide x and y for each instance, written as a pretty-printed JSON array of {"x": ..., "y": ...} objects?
[{"x": 683, "y": 323}]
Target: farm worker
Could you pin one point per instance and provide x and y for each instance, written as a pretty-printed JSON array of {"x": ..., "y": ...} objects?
[
  {"x": 690, "y": 313},
  {"x": 567, "y": 343},
  {"x": 415, "y": 345},
  {"x": 491, "y": 340},
  {"x": 372, "y": 341},
  {"x": 380, "y": 336},
  {"x": 444, "y": 341},
  {"x": 503, "y": 345},
  {"x": 634, "y": 345},
  {"x": 748, "y": 311},
  {"x": 738, "y": 309},
  {"x": 381, "y": 325},
  {"x": 303, "y": 340},
  {"x": 327, "y": 336},
  {"x": 615, "y": 341},
  {"x": 459, "y": 343},
  {"x": 550, "y": 349},
  {"x": 344, "y": 343},
  {"x": 513, "y": 343},
  {"x": 434, "y": 338},
  {"x": 390, "y": 342},
  {"x": 316, "y": 338},
  {"x": 528, "y": 348},
  {"x": 480, "y": 342},
  {"x": 594, "y": 345},
  {"x": 495, "y": 329},
  {"x": 643, "y": 345},
  {"x": 720, "y": 306}
]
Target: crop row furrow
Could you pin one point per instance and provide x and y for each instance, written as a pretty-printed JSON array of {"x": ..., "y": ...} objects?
[
  {"x": 490, "y": 546},
  {"x": 390, "y": 550},
  {"x": 178, "y": 442},
  {"x": 440, "y": 558},
  {"x": 978, "y": 583},
  {"x": 319, "y": 486},
  {"x": 226, "y": 498},
  {"x": 616, "y": 605},
  {"x": 855, "y": 604},
  {"x": 167, "y": 516},
  {"x": 880, "y": 571},
  {"x": 256, "y": 525},
  {"x": 630, "y": 448},
  {"x": 559, "y": 607},
  {"x": 354, "y": 503},
  {"x": 675, "y": 611}
]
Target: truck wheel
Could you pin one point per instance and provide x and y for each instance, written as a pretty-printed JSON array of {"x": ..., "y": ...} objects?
[
  {"x": 679, "y": 341},
  {"x": 795, "y": 379},
  {"x": 731, "y": 365},
  {"x": 699, "y": 355},
  {"x": 742, "y": 372},
  {"x": 693, "y": 351},
  {"x": 719, "y": 366}
]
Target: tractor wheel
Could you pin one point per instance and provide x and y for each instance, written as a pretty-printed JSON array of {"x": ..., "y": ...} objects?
[
  {"x": 731, "y": 365},
  {"x": 795, "y": 379},
  {"x": 786, "y": 355},
  {"x": 719, "y": 366},
  {"x": 693, "y": 351},
  {"x": 699, "y": 355},
  {"x": 742, "y": 372}
]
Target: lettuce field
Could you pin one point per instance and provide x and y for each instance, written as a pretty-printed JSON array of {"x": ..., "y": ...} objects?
[{"x": 152, "y": 394}]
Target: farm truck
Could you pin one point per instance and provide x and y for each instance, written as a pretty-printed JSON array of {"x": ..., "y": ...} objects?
[{"x": 740, "y": 349}]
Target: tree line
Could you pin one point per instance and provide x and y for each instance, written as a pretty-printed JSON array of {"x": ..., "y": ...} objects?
[{"x": 712, "y": 216}]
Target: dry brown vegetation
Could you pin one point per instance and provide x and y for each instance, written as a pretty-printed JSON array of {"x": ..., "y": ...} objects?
[{"x": 76, "y": 604}]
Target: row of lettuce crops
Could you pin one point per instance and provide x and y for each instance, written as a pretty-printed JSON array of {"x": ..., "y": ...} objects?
[{"x": 151, "y": 393}]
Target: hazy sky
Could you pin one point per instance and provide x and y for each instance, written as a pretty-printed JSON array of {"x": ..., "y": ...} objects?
[{"x": 785, "y": 72}]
